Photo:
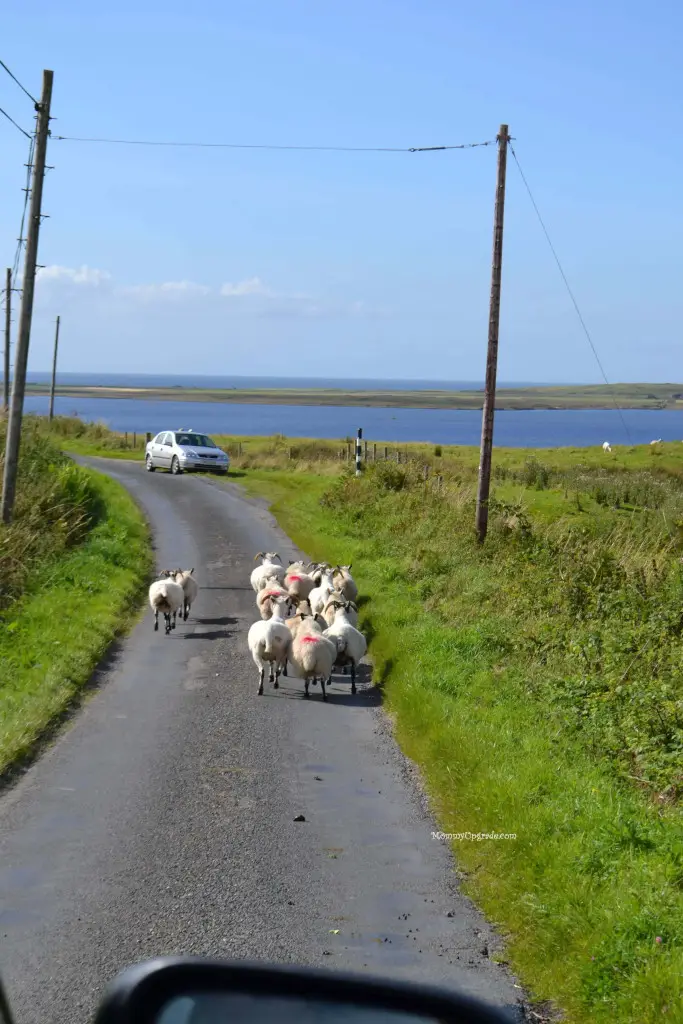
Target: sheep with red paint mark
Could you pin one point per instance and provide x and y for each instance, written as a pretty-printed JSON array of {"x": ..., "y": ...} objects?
[
  {"x": 312, "y": 654},
  {"x": 298, "y": 582}
]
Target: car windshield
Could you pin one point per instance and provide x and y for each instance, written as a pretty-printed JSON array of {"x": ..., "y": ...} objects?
[{"x": 198, "y": 440}]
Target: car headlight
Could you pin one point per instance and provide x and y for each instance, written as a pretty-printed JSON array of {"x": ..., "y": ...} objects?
[{"x": 190, "y": 454}]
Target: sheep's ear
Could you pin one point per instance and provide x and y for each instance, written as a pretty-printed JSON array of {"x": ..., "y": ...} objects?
[
  {"x": 260, "y": 555},
  {"x": 191, "y": 570}
]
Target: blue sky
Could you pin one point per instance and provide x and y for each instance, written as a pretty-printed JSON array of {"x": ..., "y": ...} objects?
[{"x": 352, "y": 264}]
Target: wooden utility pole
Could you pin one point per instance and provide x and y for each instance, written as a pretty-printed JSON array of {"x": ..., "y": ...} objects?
[
  {"x": 9, "y": 480},
  {"x": 482, "y": 514},
  {"x": 8, "y": 321},
  {"x": 54, "y": 375}
]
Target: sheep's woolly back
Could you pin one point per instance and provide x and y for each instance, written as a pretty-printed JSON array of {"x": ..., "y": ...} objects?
[
  {"x": 189, "y": 584},
  {"x": 269, "y": 641},
  {"x": 312, "y": 653},
  {"x": 166, "y": 596}
]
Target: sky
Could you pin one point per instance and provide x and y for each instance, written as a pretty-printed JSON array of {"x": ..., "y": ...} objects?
[{"x": 352, "y": 264}]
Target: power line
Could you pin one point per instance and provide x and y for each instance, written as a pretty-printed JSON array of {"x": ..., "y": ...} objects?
[
  {"x": 18, "y": 126},
  {"x": 571, "y": 294},
  {"x": 237, "y": 145},
  {"x": 27, "y": 194},
  {"x": 32, "y": 98}
]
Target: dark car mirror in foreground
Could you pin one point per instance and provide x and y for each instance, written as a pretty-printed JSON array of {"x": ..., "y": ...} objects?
[{"x": 197, "y": 991}]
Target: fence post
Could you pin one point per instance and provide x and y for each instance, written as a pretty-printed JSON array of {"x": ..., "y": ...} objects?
[
  {"x": 126, "y": 441},
  {"x": 135, "y": 439},
  {"x": 148, "y": 437},
  {"x": 374, "y": 453},
  {"x": 359, "y": 450}
]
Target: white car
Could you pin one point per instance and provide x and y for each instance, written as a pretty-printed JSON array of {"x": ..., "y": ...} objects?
[{"x": 181, "y": 450}]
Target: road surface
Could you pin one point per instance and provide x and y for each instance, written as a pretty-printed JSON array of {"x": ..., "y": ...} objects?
[{"x": 162, "y": 819}]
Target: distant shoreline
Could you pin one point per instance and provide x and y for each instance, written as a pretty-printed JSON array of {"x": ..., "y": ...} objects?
[{"x": 625, "y": 396}]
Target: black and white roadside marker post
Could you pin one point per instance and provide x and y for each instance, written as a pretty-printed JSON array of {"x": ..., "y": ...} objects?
[{"x": 359, "y": 438}]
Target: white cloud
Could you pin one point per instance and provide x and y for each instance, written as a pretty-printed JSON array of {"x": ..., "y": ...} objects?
[
  {"x": 167, "y": 288},
  {"x": 252, "y": 286},
  {"x": 250, "y": 297},
  {"x": 82, "y": 276}
]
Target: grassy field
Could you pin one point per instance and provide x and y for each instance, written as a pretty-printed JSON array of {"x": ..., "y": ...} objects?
[
  {"x": 72, "y": 564},
  {"x": 536, "y": 681},
  {"x": 537, "y": 684},
  {"x": 598, "y": 396}
]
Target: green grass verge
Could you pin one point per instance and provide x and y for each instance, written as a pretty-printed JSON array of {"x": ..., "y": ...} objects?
[
  {"x": 589, "y": 897},
  {"x": 71, "y": 610}
]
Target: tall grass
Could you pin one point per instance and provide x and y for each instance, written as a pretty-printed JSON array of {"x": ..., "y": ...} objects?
[
  {"x": 72, "y": 562},
  {"x": 56, "y": 507},
  {"x": 536, "y": 682}
]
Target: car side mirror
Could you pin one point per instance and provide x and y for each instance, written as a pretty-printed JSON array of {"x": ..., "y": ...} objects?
[{"x": 192, "y": 990}]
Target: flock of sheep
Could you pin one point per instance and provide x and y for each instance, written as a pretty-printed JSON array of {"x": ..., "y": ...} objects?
[
  {"x": 308, "y": 618},
  {"x": 322, "y": 633}
]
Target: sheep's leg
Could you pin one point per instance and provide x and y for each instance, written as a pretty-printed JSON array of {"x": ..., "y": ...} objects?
[
  {"x": 167, "y": 622},
  {"x": 322, "y": 687},
  {"x": 156, "y": 620},
  {"x": 284, "y": 668},
  {"x": 175, "y": 615},
  {"x": 271, "y": 676},
  {"x": 262, "y": 673},
  {"x": 186, "y": 611},
  {"x": 306, "y": 687},
  {"x": 353, "y": 677}
]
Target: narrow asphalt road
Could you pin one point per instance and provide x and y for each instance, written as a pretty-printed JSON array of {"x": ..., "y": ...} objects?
[{"x": 161, "y": 820}]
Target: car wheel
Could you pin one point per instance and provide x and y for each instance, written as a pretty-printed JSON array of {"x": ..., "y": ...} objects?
[
  {"x": 175, "y": 466},
  {"x": 149, "y": 465}
]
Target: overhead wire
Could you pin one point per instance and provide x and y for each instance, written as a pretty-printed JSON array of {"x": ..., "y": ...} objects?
[
  {"x": 17, "y": 126},
  {"x": 22, "y": 87},
  {"x": 569, "y": 290},
  {"x": 27, "y": 193},
  {"x": 239, "y": 145}
]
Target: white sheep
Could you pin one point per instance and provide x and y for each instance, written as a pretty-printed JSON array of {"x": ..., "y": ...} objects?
[
  {"x": 268, "y": 567},
  {"x": 345, "y": 582},
  {"x": 658, "y": 441},
  {"x": 166, "y": 596},
  {"x": 272, "y": 589},
  {"x": 190, "y": 588},
  {"x": 298, "y": 582},
  {"x": 319, "y": 595},
  {"x": 313, "y": 654},
  {"x": 606, "y": 446},
  {"x": 317, "y": 571},
  {"x": 350, "y": 643},
  {"x": 304, "y": 612},
  {"x": 334, "y": 600},
  {"x": 270, "y": 643}
]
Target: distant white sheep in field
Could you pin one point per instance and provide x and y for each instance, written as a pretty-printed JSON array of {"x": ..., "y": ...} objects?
[
  {"x": 350, "y": 643},
  {"x": 606, "y": 446},
  {"x": 270, "y": 643},
  {"x": 190, "y": 588},
  {"x": 269, "y": 567},
  {"x": 166, "y": 596},
  {"x": 345, "y": 583},
  {"x": 313, "y": 654},
  {"x": 658, "y": 441}
]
